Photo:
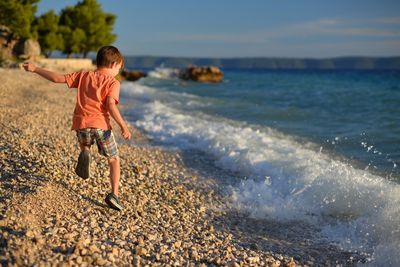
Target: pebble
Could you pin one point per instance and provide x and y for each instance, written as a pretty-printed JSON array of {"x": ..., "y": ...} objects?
[
  {"x": 140, "y": 251},
  {"x": 177, "y": 244},
  {"x": 79, "y": 260}
]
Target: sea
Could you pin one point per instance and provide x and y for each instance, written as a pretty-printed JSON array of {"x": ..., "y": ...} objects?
[{"x": 319, "y": 146}]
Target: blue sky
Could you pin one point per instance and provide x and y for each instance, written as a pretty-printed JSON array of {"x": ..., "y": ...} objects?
[{"x": 253, "y": 28}]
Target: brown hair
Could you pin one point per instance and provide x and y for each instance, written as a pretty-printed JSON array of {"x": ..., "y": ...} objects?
[{"x": 107, "y": 55}]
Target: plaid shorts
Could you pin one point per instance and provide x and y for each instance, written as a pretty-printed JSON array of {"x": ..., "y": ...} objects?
[{"x": 104, "y": 139}]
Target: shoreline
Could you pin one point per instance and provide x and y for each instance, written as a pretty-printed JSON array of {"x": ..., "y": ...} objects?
[{"x": 174, "y": 211}]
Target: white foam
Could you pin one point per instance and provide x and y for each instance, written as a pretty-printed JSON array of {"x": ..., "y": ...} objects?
[
  {"x": 162, "y": 72},
  {"x": 286, "y": 180},
  {"x": 129, "y": 89},
  {"x": 140, "y": 91}
]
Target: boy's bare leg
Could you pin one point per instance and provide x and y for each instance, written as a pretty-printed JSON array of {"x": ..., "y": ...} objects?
[
  {"x": 114, "y": 174},
  {"x": 112, "y": 198}
]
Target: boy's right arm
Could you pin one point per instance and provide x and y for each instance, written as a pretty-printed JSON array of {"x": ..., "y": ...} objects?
[{"x": 49, "y": 75}]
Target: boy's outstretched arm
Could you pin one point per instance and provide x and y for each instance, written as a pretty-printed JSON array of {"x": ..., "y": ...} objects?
[
  {"x": 49, "y": 75},
  {"x": 114, "y": 112}
]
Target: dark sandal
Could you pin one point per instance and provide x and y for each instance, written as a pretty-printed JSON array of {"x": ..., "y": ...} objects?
[
  {"x": 113, "y": 202},
  {"x": 83, "y": 166}
]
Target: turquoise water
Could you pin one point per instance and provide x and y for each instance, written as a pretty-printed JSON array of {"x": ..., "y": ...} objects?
[{"x": 319, "y": 146}]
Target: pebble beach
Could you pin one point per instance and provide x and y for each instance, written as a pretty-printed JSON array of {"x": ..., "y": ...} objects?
[{"x": 175, "y": 213}]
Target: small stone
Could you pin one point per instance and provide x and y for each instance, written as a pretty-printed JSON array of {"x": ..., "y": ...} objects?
[
  {"x": 140, "y": 251},
  {"x": 39, "y": 240},
  {"x": 140, "y": 241},
  {"x": 253, "y": 259},
  {"x": 86, "y": 242},
  {"x": 88, "y": 259},
  {"x": 194, "y": 255},
  {"x": 69, "y": 236},
  {"x": 93, "y": 248},
  {"x": 277, "y": 263},
  {"x": 177, "y": 244},
  {"x": 101, "y": 261},
  {"x": 162, "y": 249},
  {"x": 79, "y": 260},
  {"x": 291, "y": 263},
  {"x": 114, "y": 252},
  {"x": 30, "y": 234},
  {"x": 84, "y": 252},
  {"x": 151, "y": 237}
]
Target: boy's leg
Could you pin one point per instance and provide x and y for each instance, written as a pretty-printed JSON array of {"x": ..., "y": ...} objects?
[
  {"x": 108, "y": 148},
  {"x": 112, "y": 198},
  {"x": 114, "y": 174}
]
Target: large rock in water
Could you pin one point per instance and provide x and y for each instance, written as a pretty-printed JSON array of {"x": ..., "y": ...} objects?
[
  {"x": 202, "y": 74},
  {"x": 132, "y": 75}
]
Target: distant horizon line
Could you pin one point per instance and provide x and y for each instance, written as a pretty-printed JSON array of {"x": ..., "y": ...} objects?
[
  {"x": 349, "y": 62},
  {"x": 93, "y": 55},
  {"x": 266, "y": 57}
]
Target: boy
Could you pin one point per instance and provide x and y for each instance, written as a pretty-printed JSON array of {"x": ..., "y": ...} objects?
[{"x": 97, "y": 99}]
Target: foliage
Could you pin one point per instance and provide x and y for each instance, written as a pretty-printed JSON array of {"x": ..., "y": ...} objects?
[
  {"x": 86, "y": 27},
  {"x": 79, "y": 29},
  {"x": 49, "y": 34},
  {"x": 18, "y": 15}
]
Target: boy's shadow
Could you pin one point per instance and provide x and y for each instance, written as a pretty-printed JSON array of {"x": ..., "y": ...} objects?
[{"x": 86, "y": 198}]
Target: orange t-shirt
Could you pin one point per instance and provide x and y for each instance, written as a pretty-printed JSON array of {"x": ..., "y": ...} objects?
[{"x": 91, "y": 110}]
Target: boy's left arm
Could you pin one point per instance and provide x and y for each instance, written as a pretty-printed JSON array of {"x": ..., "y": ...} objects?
[
  {"x": 49, "y": 75},
  {"x": 116, "y": 115}
]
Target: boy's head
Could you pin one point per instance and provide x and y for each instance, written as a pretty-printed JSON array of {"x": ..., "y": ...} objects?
[{"x": 107, "y": 56}]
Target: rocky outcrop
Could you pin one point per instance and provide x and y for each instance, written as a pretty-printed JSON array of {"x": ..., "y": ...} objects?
[
  {"x": 202, "y": 74},
  {"x": 27, "y": 49},
  {"x": 132, "y": 75},
  {"x": 12, "y": 46}
]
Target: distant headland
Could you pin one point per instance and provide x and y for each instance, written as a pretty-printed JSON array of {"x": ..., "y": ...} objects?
[{"x": 338, "y": 63}]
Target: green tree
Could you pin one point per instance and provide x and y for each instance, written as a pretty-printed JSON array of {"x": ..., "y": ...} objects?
[
  {"x": 49, "y": 35},
  {"x": 87, "y": 24},
  {"x": 18, "y": 15},
  {"x": 74, "y": 40}
]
